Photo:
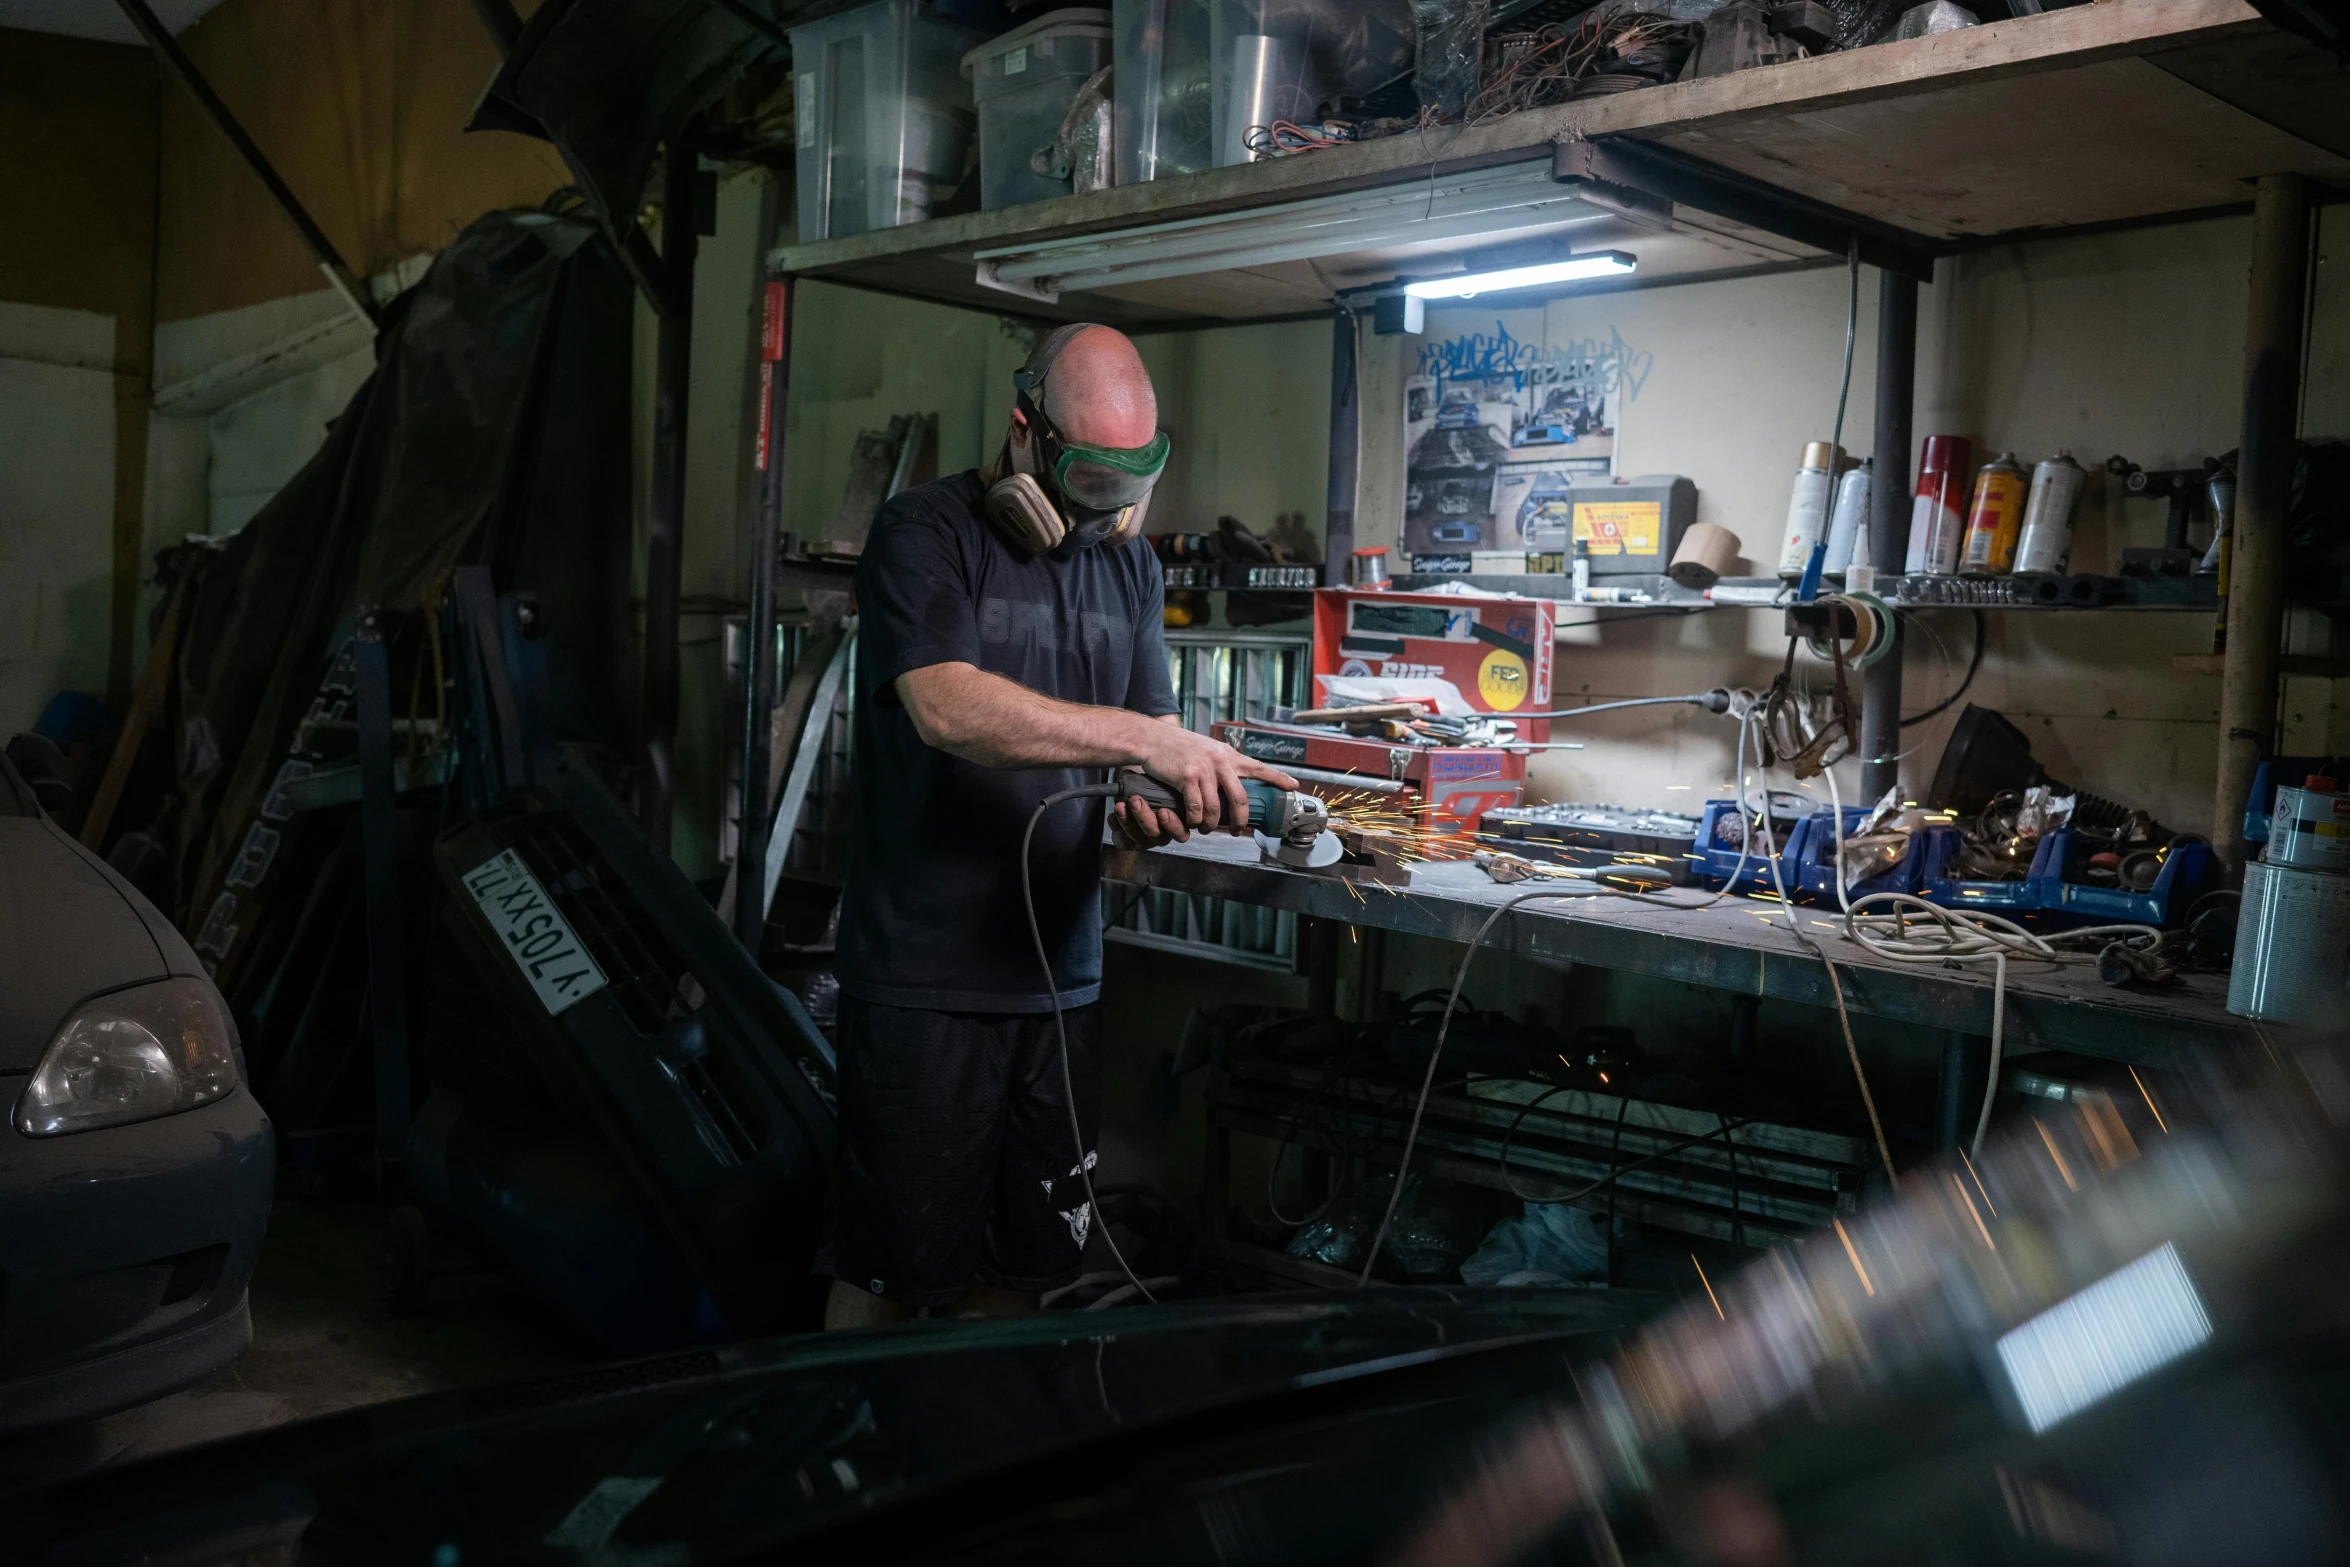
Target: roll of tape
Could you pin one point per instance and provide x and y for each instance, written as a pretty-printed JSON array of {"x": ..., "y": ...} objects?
[{"x": 1708, "y": 551}]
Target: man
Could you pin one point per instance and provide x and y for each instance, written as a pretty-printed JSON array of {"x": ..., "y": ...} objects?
[{"x": 1009, "y": 648}]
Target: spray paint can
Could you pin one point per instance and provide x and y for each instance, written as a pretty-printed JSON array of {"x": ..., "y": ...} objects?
[
  {"x": 1937, "y": 518},
  {"x": 1995, "y": 517},
  {"x": 1848, "y": 524},
  {"x": 2291, "y": 935},
  {"x": 2050, "y": 513},
  {"x": 1807, "y": 508}
]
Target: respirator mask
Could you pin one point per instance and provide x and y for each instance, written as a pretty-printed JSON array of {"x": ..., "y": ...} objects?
[{"x": 1051, "y": 491}]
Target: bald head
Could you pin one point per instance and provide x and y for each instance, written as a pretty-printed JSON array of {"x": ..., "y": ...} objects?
[{"x": 1096, "y": 390}]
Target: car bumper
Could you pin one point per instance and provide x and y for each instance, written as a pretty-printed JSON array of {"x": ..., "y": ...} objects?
[{"x": 124, "y": 1258}]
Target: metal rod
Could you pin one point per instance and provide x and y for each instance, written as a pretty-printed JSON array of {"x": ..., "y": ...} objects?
[
  {"x": 665, "y": 538},
  {"x": 2264, "y": 483},
  {"x": 1346, "y": 438},
  {"x": 1897, "y": 358},
  {"x": 750, "y": 865},
  {"x": 322, "y": 249}
]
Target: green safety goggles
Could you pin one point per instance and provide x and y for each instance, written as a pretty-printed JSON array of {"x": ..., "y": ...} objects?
[{"x": 1097, "y": 478}]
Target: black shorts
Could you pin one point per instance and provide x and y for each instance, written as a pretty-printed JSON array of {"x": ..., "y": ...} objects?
[{"x": 957, "y": 1163}]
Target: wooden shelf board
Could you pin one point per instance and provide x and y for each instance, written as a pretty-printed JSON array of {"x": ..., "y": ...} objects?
[{"x": 2120, "y": 111}]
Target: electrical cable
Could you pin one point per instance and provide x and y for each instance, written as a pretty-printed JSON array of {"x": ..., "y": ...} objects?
[
  {"x": 1851, "y": 331},
  {"x": 1716, "y": 701},
  {"x": 1982, "y": 635},
  {"x": 1100, "y": 791}
]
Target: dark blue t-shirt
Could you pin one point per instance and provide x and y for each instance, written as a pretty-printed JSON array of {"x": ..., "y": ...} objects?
[{"x": 931, "y": 916}]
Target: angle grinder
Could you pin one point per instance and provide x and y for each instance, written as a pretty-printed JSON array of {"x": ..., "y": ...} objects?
[{"x": 1292, "y": 827}]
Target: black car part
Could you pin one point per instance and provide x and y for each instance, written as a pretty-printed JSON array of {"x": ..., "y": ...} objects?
[{"x": 706, "y": 1077}]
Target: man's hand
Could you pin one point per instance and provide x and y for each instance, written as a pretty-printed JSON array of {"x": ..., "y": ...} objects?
[
  {"x": 1139, "y": 826},
  {"x": 994, "y": 722},
  {"x": 1207, "y": 773}
]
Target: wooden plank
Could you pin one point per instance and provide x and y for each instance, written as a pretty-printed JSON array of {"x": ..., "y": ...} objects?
[
  {"x": 2060, "y": 40},
  {"x": 2118, "y": 139}
]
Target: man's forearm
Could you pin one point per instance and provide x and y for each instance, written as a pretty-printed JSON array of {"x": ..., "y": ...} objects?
[{"x": 984, "y": 718}]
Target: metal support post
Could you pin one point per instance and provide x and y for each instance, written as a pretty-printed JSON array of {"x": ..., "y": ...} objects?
[
  {"x": 1958, "y": 1099},
  {"x": 665, "y": 539},
  {"x": 1897, "y": 357},
  {"x": 1319, "y": 940},
  {"x": 1346, "y": 441},
  {"x": 750, "y": 864},
  {"x": 379, "y": 827},
  {"x": 2264, "y": 483},
  {"x": 322, "y": 250}
]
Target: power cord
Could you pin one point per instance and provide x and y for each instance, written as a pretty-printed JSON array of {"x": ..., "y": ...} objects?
[{"x": 1099, "y": 791}]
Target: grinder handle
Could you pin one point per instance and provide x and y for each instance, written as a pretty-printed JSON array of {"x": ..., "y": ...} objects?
[{"x": 1142, "y": 787}]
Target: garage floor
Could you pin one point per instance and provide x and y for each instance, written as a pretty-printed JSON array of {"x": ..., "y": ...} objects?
[{"x": 323, "y": 1340}]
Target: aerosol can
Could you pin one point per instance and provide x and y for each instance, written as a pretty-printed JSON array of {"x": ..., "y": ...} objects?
[
  {"x": 1995, "y": 517},
  {"x": 1848, "y": 524},
  {"x": 1807, "y": 508},
  {"x": 1937, "y": 518},
  {"x": 2051, "y": 512}
]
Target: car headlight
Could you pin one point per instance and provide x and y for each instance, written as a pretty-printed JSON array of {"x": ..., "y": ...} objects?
[{"x": 131, "y": 1056}]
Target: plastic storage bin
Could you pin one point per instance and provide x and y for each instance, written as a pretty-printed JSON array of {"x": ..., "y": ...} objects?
[
  {"x": 1815, "y": 861},
  {"x": 1719, "y": 836},
  {"x": 883, "y": 116},
  {"x": 1024, "y": 83},
  {"x": 1164, "y": 106},
  {"x": 1938, "y": 880},
  {"x": 2188, "y": 871}
]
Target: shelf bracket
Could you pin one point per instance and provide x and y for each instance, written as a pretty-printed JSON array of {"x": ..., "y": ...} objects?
[{"x": 1636, "y": 175}]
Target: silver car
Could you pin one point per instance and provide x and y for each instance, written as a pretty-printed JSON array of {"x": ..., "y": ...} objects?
[{"x": 135, "y": 1166}]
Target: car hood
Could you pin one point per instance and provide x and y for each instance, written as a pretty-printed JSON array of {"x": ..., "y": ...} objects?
[
  {"x": 67, "y": 932},
  {"x": 730, "y": 1453}
]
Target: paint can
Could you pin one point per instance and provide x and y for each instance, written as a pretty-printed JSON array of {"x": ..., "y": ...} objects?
[
  {"x": 1807, "y": 508},
  {"x": 2051, "y": 512},
  {"x": 1994, "y": 517},
  {"x": 1848, "y": 523},
  {"x": 2292, "y": 936},
  {"x": 1367, "y": 567},
  {"x": 2309, "y": 827},
  {"x": 1937, "y": 518}
]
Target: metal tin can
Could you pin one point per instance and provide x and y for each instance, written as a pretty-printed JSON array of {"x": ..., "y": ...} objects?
[
  {"x": 2050, "y": 514},
  {"x": 2292, "y": 937},
  {"x": 1367, "y": 567},
  {"x": 2309, "y": 827},
  {"x": 1937, "y": 518},
  {"x": 1849, "y": 520},
  {"x": 1995, "y": 516},
  {"x": 1807, "y": 508}
]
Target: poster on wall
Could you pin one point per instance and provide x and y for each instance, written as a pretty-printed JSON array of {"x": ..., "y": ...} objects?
[{"x": 1495, "y": 431}]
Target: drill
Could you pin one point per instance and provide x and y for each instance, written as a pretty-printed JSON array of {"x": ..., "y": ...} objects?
[{"x": 1290, "y": 823}]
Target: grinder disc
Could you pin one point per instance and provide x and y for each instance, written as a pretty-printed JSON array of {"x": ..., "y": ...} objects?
[{"x": 1326, "y": 851}]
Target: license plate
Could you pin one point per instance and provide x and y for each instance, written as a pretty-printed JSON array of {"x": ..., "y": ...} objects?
[{"x": 536, "y": 936}]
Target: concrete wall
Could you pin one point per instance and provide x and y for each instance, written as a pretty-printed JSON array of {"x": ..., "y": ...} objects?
[{"x": 76, "y": 283}]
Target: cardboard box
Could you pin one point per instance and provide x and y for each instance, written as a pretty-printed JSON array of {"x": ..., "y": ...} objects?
[{"x": 1495, "y": 653}]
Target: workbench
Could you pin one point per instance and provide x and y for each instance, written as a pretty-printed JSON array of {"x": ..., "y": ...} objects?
[{"x": 1740, "y": 945}]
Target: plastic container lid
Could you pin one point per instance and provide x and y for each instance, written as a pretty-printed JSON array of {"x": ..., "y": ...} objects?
[
  {"x": 2321, "y": 784},
  {"x": 1372, "y": 549},
  {"x": 1082, "y": 21},
  {"x": 1820, "y": 454}
]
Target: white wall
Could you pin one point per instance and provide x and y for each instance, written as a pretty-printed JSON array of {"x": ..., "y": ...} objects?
[
  {"x": 2127, "y": 342},
  {"x": 56, "y": 506}
]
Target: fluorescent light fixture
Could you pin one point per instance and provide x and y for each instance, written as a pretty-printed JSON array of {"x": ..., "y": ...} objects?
[
  {"x": 1566, "y": 269},
  {"x": 1476, "y": 204},
  {"x": 2091, "y": 1345}
]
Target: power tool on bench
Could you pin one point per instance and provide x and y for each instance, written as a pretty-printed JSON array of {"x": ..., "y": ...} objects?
[{"x": 1292, "y": 827}]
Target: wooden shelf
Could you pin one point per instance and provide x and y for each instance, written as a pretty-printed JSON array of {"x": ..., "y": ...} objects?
[
  {"x": 2148, "y": 594},
  {"x": 2116, "y": 112}
]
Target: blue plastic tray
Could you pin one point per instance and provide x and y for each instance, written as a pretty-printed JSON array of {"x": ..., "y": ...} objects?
[
  {"x": 1815, "y": 860},
  {"x": 1715, "y": 862}
]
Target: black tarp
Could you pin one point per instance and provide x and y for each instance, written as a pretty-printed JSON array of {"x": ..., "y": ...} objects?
[{"x": 495, "y": 429}]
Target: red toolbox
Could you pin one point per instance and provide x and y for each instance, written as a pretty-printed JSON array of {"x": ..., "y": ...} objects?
[
  {"x": 1495, "y": 653},
  {"x": 1461, "y": 783}
]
